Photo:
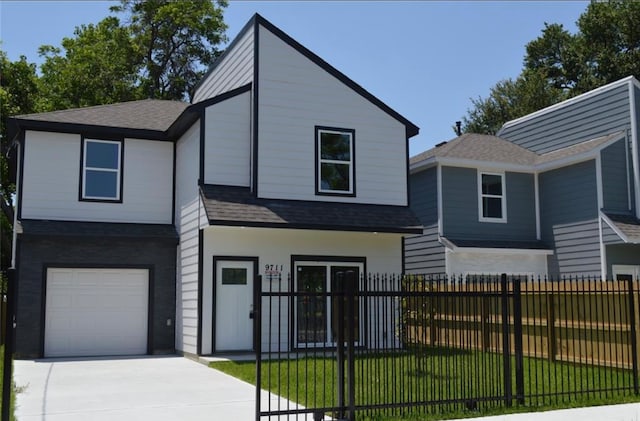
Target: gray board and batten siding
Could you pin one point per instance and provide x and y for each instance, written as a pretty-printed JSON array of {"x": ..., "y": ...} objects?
[
  {"x": 423, "y": 253},
  {"x": 585, "y": 119},
  {"x": 617, "y": 194},
  {"x": 569, "y": 219},
  {"x": 460, "y": 217}
]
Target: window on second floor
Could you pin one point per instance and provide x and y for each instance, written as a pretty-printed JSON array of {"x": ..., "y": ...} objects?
[
  {"x": 335, "y": 161},
  {"x": 101, "y": 170},
  {"x": 492, "y": 197}
]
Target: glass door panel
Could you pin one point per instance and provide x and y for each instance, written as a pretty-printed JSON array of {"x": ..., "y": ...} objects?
[{"x": 311, "y": 310}]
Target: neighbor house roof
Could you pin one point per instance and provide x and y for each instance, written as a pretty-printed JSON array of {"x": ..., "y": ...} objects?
[
  {"x": 626, "y": 225},
  {"x": 237, "y": 206},
  {"x": 480, "y": 148}
]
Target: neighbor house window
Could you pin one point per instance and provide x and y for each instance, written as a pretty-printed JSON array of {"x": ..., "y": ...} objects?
[
  {"x": 491, "y": 197},
  {"x": 335, "y": 161},
  {"x": 101, "y": 170}
]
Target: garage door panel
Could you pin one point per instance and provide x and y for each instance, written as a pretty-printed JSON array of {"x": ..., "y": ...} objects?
[{"x": 93, "y": 312}]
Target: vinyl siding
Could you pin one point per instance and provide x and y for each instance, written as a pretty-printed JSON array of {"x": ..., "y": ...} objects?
[
  {"x": 235, "y": 69},
  {"x": 188, "y": 210},
  {"x": 569, "y": 219},
  {"x": 586, "y": 119},
  {"x": 228, "y": 142},
  {"x": 460, "y": 207},
  {"x": 295, "y": 95},
  {"x": 52, "y": 181},
  {"x": 615, "y": 174},
  {"x": 382, "y": 251},
  {"x": 424, "y": 253}
]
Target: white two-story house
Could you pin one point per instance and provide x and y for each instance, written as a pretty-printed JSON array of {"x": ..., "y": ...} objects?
[{"x": 144, "y": 227}]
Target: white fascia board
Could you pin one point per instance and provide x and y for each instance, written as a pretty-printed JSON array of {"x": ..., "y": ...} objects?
[
  {"x": 473, "y": 163},
  {"x": 613, "y": 226},
  {"x": 450, "y": 247},
  {"x": 635, "y": 145},
  {"x": 422, "y": 165},
  {"x": 627, "y": 80},
  {"x": 576, "y": 159},
  {"x": 503, "y": 251}
]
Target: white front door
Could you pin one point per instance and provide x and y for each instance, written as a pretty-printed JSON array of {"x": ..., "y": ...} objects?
[{"x": 234, "y": 304}]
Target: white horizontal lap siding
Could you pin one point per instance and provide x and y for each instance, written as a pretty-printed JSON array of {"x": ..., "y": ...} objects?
[
  {"x": 52, "y": 179},
  {"x": 228, "y": 142},
  {"x": 234, "y": 70},
  {"x": 383, "y": 253},
  {"x": 295, "y": 95},
  {"x": 188, "y": 209}
]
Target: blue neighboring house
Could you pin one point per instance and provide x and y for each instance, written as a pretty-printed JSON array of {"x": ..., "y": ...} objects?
[{"x": 555, "y": 193}]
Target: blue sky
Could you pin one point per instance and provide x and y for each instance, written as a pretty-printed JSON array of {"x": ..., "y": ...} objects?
[{"x": 425, "y": 59}]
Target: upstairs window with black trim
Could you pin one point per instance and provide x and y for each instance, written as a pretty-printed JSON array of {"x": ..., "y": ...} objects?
[
  {"x": 335, "y": 161},
  {"x": 101, "y": 170},
  {"x": 491, "y": 197}
]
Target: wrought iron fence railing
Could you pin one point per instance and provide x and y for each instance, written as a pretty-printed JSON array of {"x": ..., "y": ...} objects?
[{"x": 385, "y": 345}]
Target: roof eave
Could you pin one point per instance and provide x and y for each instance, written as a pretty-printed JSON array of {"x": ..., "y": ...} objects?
[{"x": 316, "y": 227}]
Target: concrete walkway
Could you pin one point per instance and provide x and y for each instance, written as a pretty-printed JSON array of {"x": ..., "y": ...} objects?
[{"x": 176, "y": 388}]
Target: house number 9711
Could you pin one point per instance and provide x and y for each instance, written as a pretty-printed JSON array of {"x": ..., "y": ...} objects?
[{"x": 272, "y": 269}]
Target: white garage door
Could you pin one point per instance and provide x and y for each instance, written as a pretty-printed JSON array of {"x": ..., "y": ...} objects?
[{"x": 92, "y": 312}]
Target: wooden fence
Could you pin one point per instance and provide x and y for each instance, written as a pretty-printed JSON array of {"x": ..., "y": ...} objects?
[{"x": 578, "y": 321}]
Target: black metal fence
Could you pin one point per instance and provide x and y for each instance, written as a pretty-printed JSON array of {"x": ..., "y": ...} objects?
[{"x": 365, "y": 347}]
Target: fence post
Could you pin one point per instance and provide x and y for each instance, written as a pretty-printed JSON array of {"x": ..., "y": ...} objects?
[
  {"x": 351, "y": 281},
  {"x": 634, "y": 343},
  {"x": 257, "y": 339},
  {"x": 9, "y": 345},
  {"x": 340, "y": 344},
  {"x": 551, "y": 325},
  {"x": 517, "y": 336},
  {"x": 506, "y": 349}
]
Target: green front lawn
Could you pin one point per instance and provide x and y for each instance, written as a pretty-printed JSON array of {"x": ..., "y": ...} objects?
[{"x": 443, "y": 375}]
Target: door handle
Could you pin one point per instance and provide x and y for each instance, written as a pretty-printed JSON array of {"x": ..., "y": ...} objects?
[{"x": 251, "y": 314}]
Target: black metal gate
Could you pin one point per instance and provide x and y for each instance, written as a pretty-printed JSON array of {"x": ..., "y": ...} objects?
[{"x": 402, "y": 345}]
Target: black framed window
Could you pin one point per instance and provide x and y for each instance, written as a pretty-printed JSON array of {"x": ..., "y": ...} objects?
[
  {"x": 335, "y": 161},
  {"x": 101, "y": 171}
]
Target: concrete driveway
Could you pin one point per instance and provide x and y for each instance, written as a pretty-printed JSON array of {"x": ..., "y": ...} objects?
[
  {"x": 175, "y": 388},
  {"x": 136, "y": 388}
]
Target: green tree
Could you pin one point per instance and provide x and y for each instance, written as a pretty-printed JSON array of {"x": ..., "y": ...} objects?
[
  {"x": 18, "y": 95},
  {"x": 559, "y": 65},
  {"x": 100, "y": 65},
  {"x": 177, "y": 42},
  {"x": 510, "y": 99}
]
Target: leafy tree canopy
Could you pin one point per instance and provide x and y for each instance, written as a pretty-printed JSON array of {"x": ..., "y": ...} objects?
[{"x": 559, "y": 65}]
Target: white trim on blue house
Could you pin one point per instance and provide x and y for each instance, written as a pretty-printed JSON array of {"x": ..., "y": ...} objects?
[
  {"x": 536, "y": 187},
  {"x": 635, "y": 150},
  {"x": 600, "y": 194},
  {"x": 439, "y": 193}
]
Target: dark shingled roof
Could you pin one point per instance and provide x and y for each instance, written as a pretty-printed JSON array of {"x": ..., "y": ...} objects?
[
  {"x": 629, "y": 225},
  {"x": 148, "y": 114},
  {"x": 237, "y": 206},
  {"x": 487, "y": 148},
  {"x": 32, "y": 227},
  {"x": 497, "y": 244}
]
